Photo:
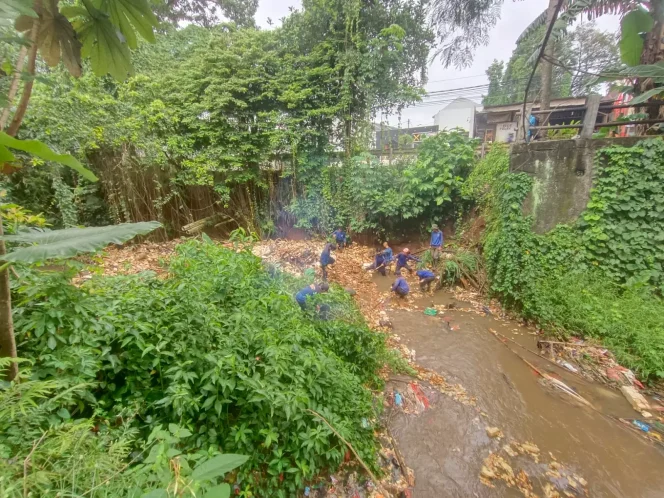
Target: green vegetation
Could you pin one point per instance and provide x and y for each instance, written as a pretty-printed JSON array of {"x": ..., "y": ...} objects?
[
  {"x": 599, "y": 278},
  {"x": 219, "y": 348},
  {"x": 369, "y": 196}
]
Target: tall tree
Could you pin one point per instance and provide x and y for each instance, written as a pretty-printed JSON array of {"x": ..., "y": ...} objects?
[{"x": 585, "y": 51}]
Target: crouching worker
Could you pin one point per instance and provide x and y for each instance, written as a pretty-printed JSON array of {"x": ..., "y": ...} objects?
[
  {"x": 326, "y": 258},
  {"x": 340, "y": 238},
  {"x": 427, "y": 277},
  {"x": 400, "y": 286},
  {"x": 311, "y": 290}
]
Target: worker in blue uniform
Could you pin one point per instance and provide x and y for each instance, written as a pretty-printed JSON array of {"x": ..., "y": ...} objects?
[
  {"x": 400, "y": 287},
  {"x": 436, "y": 244},
  {"x": 403, "y": 258}
]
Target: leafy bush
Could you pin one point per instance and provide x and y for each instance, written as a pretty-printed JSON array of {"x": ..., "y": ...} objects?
[
  {"x": 600, "y": 277},
  {"x": 366, "y": 195},
  {"x": 47, "y": 454},
  {"x": 220, "y": 348},
  {"x": 623, "y": 225}
]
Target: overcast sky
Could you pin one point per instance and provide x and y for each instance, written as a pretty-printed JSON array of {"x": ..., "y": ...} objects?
[{"x": 516, "y": 15}]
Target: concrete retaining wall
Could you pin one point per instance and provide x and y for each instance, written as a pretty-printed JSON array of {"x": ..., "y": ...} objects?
[{"x": 562, "y": 171}]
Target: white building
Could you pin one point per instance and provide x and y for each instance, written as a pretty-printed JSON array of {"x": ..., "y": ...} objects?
[{"x": 460, "y": 113}]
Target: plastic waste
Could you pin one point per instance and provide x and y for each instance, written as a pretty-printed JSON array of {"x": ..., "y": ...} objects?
[
  {"x": 430, "y": 312},
  {"x": 365, "y": 423},
  {"x": 398, "y": 400},
  {"x": 641, "y": 425},
  {"x": 307, "y": 491},
  {"x": 568, "y": 366}
]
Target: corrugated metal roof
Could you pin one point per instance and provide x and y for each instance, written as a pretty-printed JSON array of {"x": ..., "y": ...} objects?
[{"x": 564, "y": 102}]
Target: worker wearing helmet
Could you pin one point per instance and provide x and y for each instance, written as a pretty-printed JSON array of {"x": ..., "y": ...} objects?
[{"x": 402, "y": 260}]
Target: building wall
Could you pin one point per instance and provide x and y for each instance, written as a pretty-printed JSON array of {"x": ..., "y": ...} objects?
[
  {"x": 562, "y": 171},
  {"x": 457, "y": 115}
]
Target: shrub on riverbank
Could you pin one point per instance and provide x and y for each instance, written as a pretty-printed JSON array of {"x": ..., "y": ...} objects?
[
  {"x": 219, "y": 347},
  {"x": 600, "y": 277}
]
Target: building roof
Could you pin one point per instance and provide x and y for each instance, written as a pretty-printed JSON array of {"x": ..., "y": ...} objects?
[{"x": 562, "y": 102}]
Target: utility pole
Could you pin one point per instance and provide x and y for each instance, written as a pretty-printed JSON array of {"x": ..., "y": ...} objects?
[{"x": 547, "y": 67}]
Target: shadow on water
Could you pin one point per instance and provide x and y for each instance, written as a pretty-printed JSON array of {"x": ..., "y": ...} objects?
[{"x": 447, "y": 444}]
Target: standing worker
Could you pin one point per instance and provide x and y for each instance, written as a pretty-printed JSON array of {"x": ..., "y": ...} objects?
[
  {"x": 426, "y": 278},
  {"x": 388, "y": 255},
  {"x": 310, "y": 290},
  {"x": 400, "y": 286},
  {"x": 402, "y": 260},
  {"x": 340, "y": 237},
  {"x": 436, "y": 242},
  {"x": 326, "y": 258}
]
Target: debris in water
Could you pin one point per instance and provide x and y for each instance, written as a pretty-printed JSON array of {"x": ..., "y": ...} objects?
[
  {"x": 555, "y": 480},
  {"x": 636, "y": 399},
  {"x": 430, "y": 312},
  {"x": 494, "y": 432}
]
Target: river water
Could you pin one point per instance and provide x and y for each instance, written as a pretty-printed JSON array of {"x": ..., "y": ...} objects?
[{"x": 446, "y": 445}]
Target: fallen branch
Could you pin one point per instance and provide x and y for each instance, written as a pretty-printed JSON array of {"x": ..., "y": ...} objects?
[
  {"x": 557, "y": 383},
  {"x": 397, "y": 453},
  {"x": 571, "y": 345},
  {"x": 350, "y": 446}
]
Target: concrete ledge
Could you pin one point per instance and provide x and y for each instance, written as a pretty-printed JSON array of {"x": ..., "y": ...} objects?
[{"x": 562, "y": 171}]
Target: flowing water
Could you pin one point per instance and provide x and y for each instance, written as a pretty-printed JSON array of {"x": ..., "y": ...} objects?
[{"x": 447, "y": 444}]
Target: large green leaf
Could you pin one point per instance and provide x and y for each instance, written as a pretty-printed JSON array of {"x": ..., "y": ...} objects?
[
  {"x": 217, "y": 466},
  {"x": 221, "y": 491},
  {"x": 631, "y": 43},
  {"x": 73, "y": 241},
  {"x": 131, "y": 16},
  {"x": 41, "y": 150},
  {"x": 6, "y": 155},
  {"x": 57, "y": 40},
  {"x": 654, "y": 71},
  {"x": 647, "y": 95},
  {"x": 108, "y": 53},
  {"x": 11, "y": 9}
]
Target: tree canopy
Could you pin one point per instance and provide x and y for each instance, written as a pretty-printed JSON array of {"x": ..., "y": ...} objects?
[{"x": 586, "y": 52}]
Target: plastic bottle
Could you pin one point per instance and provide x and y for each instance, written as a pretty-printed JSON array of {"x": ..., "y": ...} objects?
[{"x": 641, "y": 425}]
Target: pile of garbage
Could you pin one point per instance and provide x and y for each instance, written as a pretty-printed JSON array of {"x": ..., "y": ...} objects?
[
  {"x": 508, "y": 465},
  {"x": 412, "y": 399}
]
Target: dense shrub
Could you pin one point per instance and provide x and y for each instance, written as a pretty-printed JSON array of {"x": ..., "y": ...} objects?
[
  {"x": 600, "y": 277},
  {"x": 219, "y": 347}
]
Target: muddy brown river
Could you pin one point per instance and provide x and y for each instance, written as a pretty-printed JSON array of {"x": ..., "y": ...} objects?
[{"x": 447, "y": 443}]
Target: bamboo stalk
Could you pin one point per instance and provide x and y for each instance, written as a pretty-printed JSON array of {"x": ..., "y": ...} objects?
[{"x": 350, "y": 446}]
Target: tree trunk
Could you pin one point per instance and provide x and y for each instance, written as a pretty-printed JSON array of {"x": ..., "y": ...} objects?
[
  {"x": 7, "y": 341},
  {"x": 27, "y": 88},
  {"x": 13, "y": 87}
]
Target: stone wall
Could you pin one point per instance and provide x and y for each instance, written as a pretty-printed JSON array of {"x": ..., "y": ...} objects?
[{"x": 562, "y": 171}]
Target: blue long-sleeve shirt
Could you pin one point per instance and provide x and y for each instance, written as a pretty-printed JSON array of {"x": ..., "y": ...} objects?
[
  {"x": 401, "y": 284},
  {"x": 436, "y": 239},
  {"x": 339, "y": 235},
  {"x": 403, "y": 258},
  {"x": 388, "y": 255},
  {"x": 301, "y": 297},
  {"x": 325, "y": 255},
  {"x": 425, "y": 274}
]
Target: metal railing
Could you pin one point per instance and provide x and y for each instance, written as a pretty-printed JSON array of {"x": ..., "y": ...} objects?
[{"x": 592, "y": 108}]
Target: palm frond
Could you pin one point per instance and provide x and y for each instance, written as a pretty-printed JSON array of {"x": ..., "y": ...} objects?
[{"x": 73, "y": 241}]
